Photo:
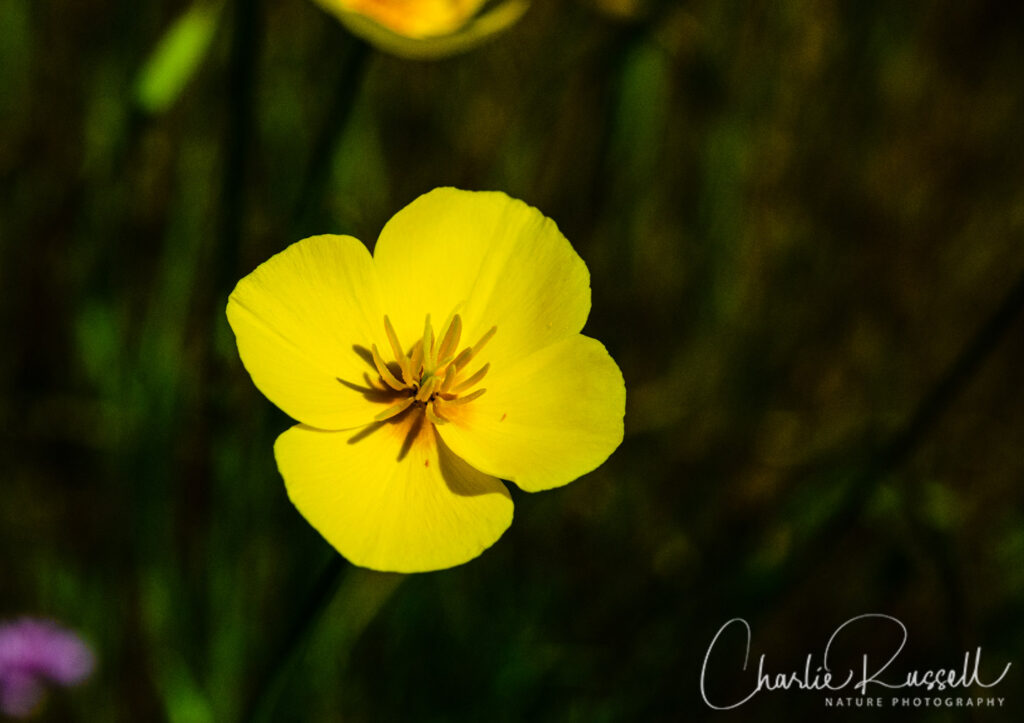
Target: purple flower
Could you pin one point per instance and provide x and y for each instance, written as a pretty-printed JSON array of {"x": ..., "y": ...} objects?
[{"x": 35, "y": 651}]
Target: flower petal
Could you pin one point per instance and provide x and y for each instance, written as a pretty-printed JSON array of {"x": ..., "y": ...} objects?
[
  {"x": 392, "y": 497},
  {"x": 492, "y": 259},
  {"x": 545, "y": 421},
  {"x": 410, "y": 18},
  {"x": 302, "y": 321},
  {"x": 20, "y": 693}
]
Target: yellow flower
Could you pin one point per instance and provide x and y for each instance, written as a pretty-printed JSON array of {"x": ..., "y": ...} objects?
[
  {"x": 407, "y": 426},
  {"x": 425, "y": 28}
]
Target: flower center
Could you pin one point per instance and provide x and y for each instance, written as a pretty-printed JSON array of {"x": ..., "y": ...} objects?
[{"x": 431, "y": 374}]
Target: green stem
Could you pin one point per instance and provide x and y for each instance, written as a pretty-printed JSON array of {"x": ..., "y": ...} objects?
[
  {"x": 245, "y": 46},
  {"x": 272, "y": 680}
]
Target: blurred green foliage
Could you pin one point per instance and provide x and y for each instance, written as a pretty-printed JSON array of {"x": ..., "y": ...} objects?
[
  {"x": 177, "y": 57},
  {"x": 795, "y": 215}
]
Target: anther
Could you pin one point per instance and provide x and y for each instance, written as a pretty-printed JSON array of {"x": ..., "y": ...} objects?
[
  {"x": 480, "y": 374},
  {"x": 416, "y": 362},
  {"x": 385, "y": 373},
  {"x": 450, "y": 340},
  {"x": 395, "y": 410},
  {"x": 449, "y": 377},
  {"x": 468, "y": 398},
  {"x": 429, "y": 360},
  {"x": 469, "y": 352},
  {"x": 433, "y": 416},
  {"x": 427, "y": 389},
  {"x": 396, "y": 347}
]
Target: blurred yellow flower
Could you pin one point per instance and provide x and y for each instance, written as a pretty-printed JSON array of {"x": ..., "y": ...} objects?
[
  {"x": 413, "y": 18},
  {"x": 425, "y": 28},
  {"x": 405, "y": 429}
]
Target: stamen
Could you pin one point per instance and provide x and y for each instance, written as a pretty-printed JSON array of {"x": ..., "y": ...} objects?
[
  {"x": 469, "y": 352},
  {"x": 429, "y": 371},
  {"x": 468, "y": 398},
  {"x": 385, "y": 373},
  {"x": 429, "y": 360},
  {"x": 484, "y": 339},
  {"x": 480, "y": 373},
  {"x": 433, "y": 416},
  {"x": 416, "y": 362},
  {"x": 396, "y": 347},
  {"x": 395, "y": 410},
  {"x": 427, "y": 389},
  {"x": 449, "y": 377},
  {"x": 450, "y": 341}
]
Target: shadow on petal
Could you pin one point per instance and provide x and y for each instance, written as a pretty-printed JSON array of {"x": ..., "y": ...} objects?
[
  {"x": 369, "y": 391},
  {"x": 461, "y": 478},
  {"x": 365, "y": 432},
  {"x": 413, "y": 418}
]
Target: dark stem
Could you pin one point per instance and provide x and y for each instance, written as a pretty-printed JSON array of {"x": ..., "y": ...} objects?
[
  {"x": 285, "y": 653},
  {"x": 241, "y": 103},
  {"x": 353, "y": 66}
]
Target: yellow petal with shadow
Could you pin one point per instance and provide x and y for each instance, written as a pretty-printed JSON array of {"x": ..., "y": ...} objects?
[
  {"x": 392, "y": 496},
  {"x": 299, "y": 320},
  {"x": 490, "y": 258},
  {"x": 545, "y": 420}
]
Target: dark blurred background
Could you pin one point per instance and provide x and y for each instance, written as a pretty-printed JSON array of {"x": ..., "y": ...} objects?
[{"x": 804, "y": 227}]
